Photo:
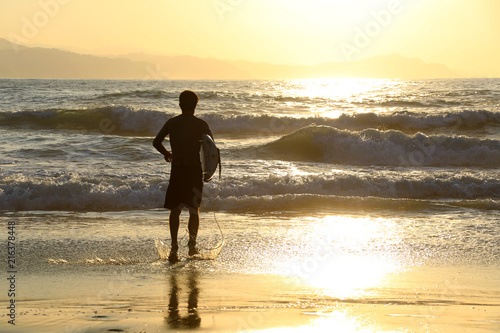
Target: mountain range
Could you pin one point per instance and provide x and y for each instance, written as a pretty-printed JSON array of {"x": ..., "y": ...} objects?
[{"x": 18, "y": 61}]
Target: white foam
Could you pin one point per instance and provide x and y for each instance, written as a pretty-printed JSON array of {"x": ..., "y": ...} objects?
[
  {"x": 393, "y": 148},
  {"x": 137, "y": 121},
  {"x": 83, "y": 192}
]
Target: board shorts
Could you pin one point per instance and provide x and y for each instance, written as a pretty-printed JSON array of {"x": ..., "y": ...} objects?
[{"x": 185, "y": 187}]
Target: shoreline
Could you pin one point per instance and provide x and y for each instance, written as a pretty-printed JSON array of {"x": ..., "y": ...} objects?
[
  {"x": 440, "y": 299},
  {"x": 351, "y": 271}
]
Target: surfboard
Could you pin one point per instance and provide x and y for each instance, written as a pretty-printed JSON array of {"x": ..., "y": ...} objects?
[{"x": 210, "y": 157}]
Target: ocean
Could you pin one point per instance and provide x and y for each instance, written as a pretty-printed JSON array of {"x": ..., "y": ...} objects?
[{"x": 339, "y": 193}]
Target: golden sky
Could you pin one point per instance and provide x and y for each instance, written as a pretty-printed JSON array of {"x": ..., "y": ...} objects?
[{"x": 462, "y": 34}]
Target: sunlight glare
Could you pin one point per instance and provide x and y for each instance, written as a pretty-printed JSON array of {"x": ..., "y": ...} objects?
[
  {"x": 336, "y": 321},
  {"x": 333, "y": 88},
  {"x": 350, "y": 276},
  {"x": 345, "y": 261},
  {"x": 333, "y": 91}
]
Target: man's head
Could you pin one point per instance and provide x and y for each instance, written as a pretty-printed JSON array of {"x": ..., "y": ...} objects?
[{"x": 188, "y": 101}]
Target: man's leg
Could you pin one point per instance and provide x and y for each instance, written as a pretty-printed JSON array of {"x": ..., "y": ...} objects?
[
  {"x": 193, "y": 225},
  {"x": 174, "y": 227}
]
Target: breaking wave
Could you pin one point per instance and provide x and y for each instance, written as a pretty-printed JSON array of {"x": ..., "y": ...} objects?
[
  {"x": 387, "y": 148},
  {"x": 73, "y": 191},
  {"x": 148, "y": 93},
  {"x": 127, "y": 120}
]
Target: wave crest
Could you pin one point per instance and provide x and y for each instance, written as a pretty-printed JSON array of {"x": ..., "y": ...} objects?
[
  {"x": 386, "y": 148},
  {"x": 127, "y": 120},
  {"x": 81, "y": 192}
]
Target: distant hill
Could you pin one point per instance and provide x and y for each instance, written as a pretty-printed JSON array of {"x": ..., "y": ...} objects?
[
  {"x": 391, "y": 66},
  {"x": 6, "y": 45},
  {"x": 192, "y": 68},
  {"x": 57, "y": 64},
  {"x": 25, "y": 62}
]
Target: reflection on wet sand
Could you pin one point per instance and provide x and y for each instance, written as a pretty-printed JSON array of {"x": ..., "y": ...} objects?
[{"x": 175, "y": 319}]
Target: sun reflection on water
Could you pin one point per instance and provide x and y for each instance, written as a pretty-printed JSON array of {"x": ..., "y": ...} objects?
[
  {"x": 350, "y": 276},
  {"x": 345, "y": 260},
  {"x": 336, "y": 321},
  {"x": 330, "y": 88},
  {"x": 337, "y": 94}
]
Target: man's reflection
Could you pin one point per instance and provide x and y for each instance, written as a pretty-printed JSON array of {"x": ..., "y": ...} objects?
[{"x": 174, "y": 319}]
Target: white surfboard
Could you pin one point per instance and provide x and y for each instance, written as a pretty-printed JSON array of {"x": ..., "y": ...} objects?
[{"x": 210, "y": 157}]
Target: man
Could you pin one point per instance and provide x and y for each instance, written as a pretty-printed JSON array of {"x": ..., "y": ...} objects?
[{"x": 186, "y": 184}]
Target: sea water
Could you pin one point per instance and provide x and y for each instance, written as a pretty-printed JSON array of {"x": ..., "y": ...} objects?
[{"x": 334, "y": 182}]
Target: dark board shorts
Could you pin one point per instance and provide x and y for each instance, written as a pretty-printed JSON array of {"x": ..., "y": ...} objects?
[{"x": 185, "y": 187}]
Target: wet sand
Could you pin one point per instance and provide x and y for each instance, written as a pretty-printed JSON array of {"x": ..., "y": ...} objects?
[
  {"x": 119, "y": 299},
  {"x": 88, "y": 272}
]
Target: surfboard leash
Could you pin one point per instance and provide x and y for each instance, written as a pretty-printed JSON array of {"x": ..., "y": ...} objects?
[
  {"x": 221, "y": 243},
  {"x": 215, "y": 216}
]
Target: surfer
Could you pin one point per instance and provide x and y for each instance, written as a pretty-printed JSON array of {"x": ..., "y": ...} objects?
[{"x": 186, "y": 185}]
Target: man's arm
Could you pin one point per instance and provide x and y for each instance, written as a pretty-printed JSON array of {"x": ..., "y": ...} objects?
[
  {"x": 157, "y": 143},
  {"x": 206, "y": 130}
]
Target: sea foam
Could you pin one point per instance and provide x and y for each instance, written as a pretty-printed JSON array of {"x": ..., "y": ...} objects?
[
  {"x": 129, "y": 120},
  {"x": 86, "y": 192},
  {"x": 387, "y": 148}
]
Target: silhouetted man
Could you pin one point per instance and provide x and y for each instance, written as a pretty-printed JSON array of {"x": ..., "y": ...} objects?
[{"x": 186, "y": 185}]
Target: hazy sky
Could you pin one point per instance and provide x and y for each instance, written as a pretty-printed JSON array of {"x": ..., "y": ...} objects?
[{"x": 462, "y": 34}]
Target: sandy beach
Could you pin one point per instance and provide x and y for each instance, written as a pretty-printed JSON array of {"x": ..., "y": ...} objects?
[
  {"x": 416, "y": 300},
  {"x": 83, "y": 290}
]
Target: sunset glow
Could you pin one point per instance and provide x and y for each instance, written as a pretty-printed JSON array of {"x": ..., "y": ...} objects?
[{"x": 461, "y": 35}]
